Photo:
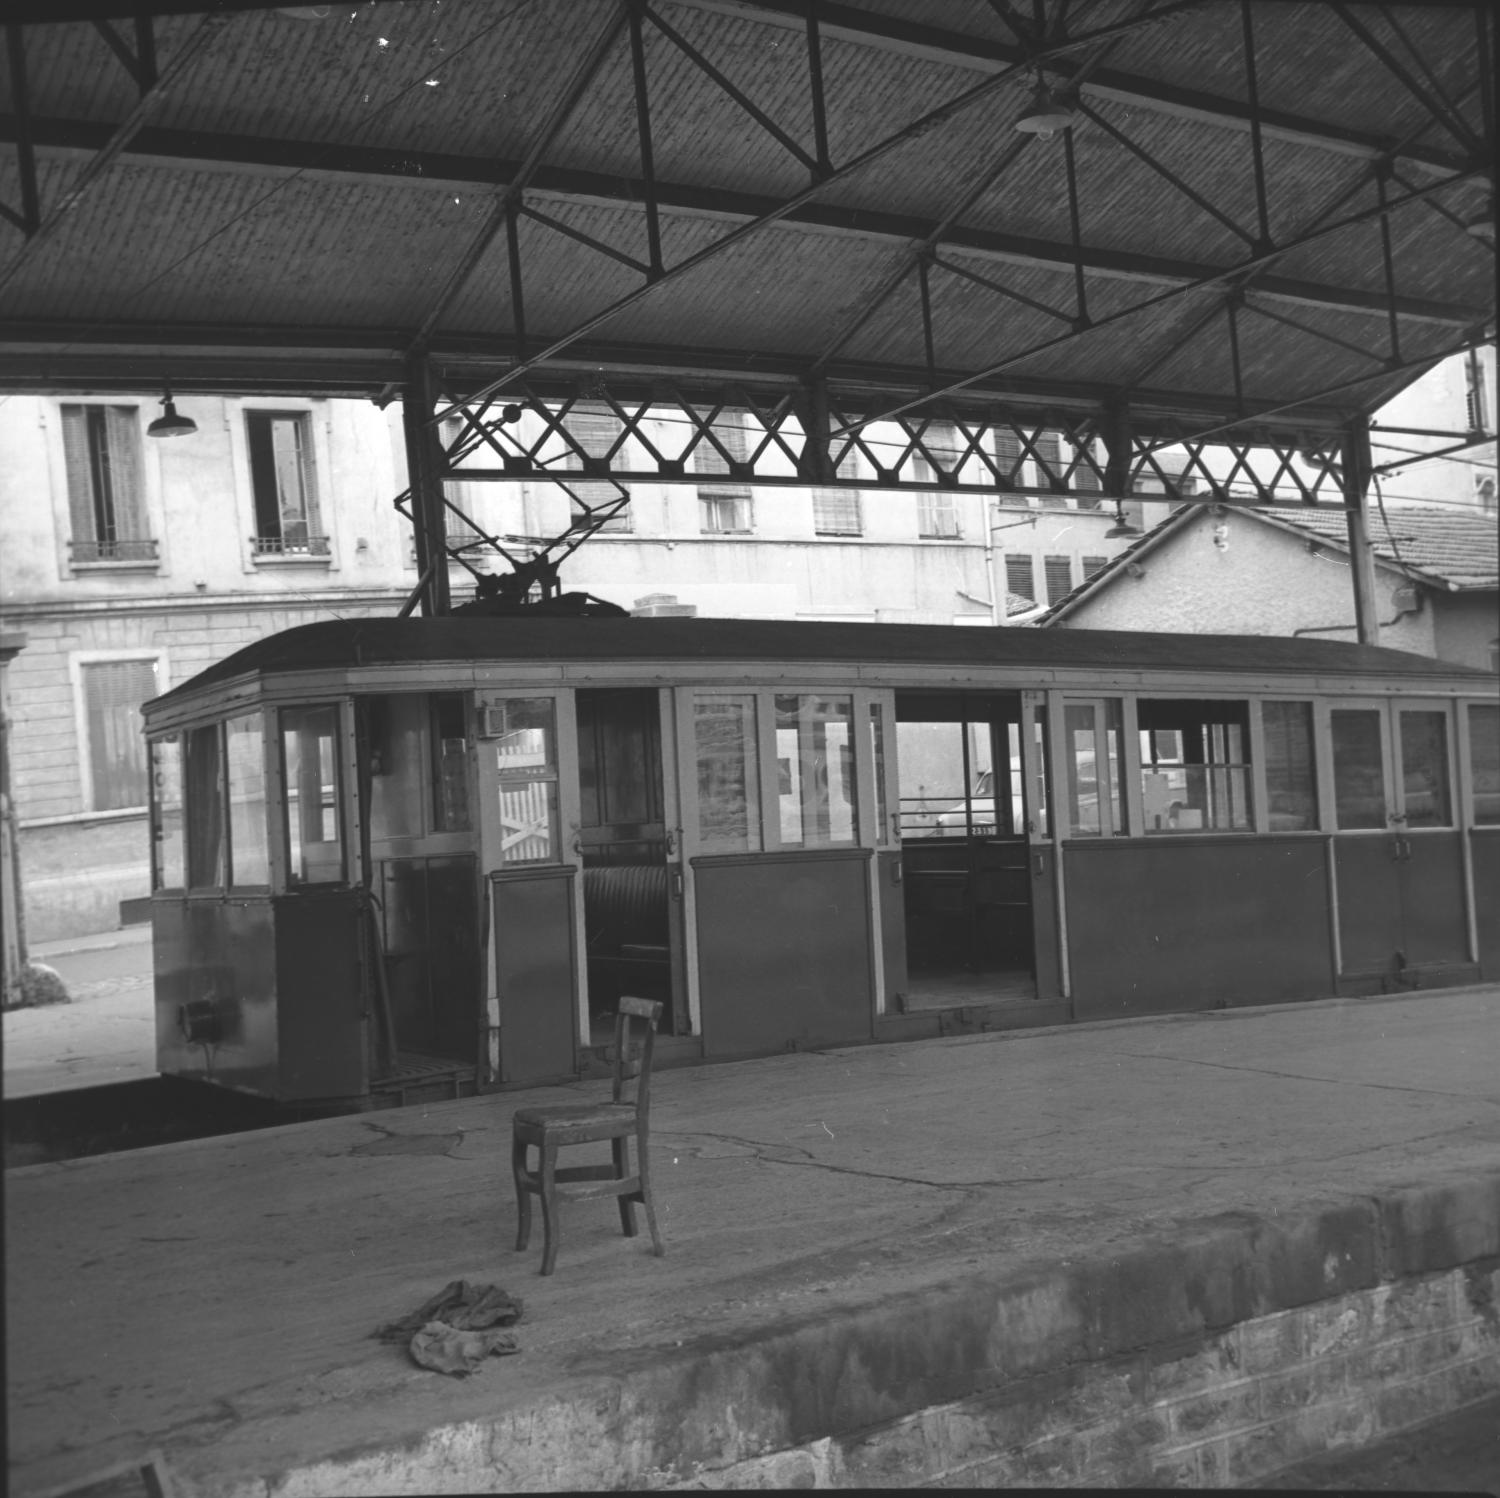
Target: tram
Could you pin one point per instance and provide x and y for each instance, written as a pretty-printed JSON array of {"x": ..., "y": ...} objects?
[{"x": 398, "y": 858}]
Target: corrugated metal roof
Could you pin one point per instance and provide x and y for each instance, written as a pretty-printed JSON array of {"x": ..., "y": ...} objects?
[{"x": 280, "y": 225}]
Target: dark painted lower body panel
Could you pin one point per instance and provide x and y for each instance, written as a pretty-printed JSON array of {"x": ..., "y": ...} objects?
[{"x": 1156, "y": 927}]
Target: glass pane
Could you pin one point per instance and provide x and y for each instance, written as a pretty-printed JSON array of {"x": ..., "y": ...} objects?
[
  {"x": 815, "y": 770},
  {"x": 309, "y": 759},
  {"x": 1037, "y": 811},
  {"x": 1424, "y": 769},
  {"x": 167, "y": 843},
  {"x": 1291, "y": 780},
  {"x": 1114, "y": 751},
  {"x": 1082, "y": 765},
  {"x": 204, "y": 784},
  {"x": 1484, "y": 762},
  {"x": 1195, "y": 756},
  {"x": 930, "y": 763},
  {"x": 1358, "y": 768},
  {"x": 526, "y": 764},
  {"x": 450, "y": 764},
  {"x": 728, "y": 773},
  {"x": 877, "y": 759},
  {"x": 248, "y": 844},
  {"x": 394, "y": 728}
]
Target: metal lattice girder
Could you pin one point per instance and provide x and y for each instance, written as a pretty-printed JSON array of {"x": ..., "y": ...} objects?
[{"x": 658, "y": 436}]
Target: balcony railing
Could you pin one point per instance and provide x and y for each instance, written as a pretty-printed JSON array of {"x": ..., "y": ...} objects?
[
  {"x": 289, "y": 546},
  {"x": 139, "y": 549}
]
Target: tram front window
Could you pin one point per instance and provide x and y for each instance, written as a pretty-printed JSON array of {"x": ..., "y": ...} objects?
[
  {"x": 167, "y": 840},
  {"x": 309, "y": 759},
  {"x": 526, "y": 763},
  {"x": 204, "y": 783}
]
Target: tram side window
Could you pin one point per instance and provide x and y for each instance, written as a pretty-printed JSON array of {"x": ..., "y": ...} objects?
[
  {"x": 1358, "y": 768},
  {"x": 204, "y": 785},
  {"x": 1195, "y": 765},
  {"x": 815, "y": 770},
  {"x": 168, "y": 847},
  {"x": 877, "y": 761},
  {"x": 1426, "y": 798},
  {"x": 1093, "y": 748},
  {"x": 1291, "y": 778},
  {"x": 724, "y": 736},
  {"x": 249, "y": 856},
  {"x": 310, "y": 772},
  {"x": 526, "y": 762},
  {"x": 1484, "y": 762}
]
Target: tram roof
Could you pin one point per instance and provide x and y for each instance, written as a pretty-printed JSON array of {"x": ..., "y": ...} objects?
[{"x": 364, "y": 644}]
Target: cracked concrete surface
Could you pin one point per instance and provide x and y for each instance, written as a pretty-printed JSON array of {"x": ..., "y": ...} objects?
[{"x": 214, "y": 1300}]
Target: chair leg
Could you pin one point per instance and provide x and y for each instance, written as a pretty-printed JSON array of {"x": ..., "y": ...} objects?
[
  {"x": 621, "y": 1150},
  {"x": 523, "y": 1194},
  {"x": 550, "y": 1224},
  {"x": 643, "y": 1165}
]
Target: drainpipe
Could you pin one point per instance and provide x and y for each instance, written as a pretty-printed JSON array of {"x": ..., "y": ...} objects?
[{"x": 12, "y": 918}]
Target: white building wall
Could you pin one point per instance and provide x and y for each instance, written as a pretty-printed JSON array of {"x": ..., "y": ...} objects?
[{"x": 1264, "y": 582}]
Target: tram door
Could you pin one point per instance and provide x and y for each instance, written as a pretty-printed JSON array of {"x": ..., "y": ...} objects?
[
  {"x": 530, "y": 854},
  {"x": 1398, "y": 858},
  {"x": 632, "y": 896},
  {"x": 974, "y": 894}
]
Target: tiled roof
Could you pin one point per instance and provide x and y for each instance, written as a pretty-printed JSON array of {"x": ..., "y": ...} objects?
[{"x": 1459, "y": 548}]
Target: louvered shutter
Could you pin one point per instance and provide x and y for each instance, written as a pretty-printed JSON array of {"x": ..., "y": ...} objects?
[
  {"x": 75, "y": 429},
  {"x": 113, "y": 693},
  {"x": 122, "y": 430}
]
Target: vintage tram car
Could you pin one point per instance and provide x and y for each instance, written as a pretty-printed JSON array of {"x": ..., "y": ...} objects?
[{"x": 407, "y": 857}]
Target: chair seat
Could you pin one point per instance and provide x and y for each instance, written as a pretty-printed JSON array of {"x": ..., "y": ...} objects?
[{"x": 581, "y": 1115}]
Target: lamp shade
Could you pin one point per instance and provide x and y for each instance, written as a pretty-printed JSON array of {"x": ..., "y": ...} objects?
[
  {"x": 1044, "y": 116},
  {"x": 169, "y": 423}
]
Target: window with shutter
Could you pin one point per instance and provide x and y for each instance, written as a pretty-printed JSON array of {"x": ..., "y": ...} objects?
[
  {"x": 1007, "y": 452},
  {"x": 283, "y": 482},
  {"x": 1049, "y": 467},
  {"x": 1084, "y": 481},
  {"x": 595, "y": 429},
  {"x": 1020, "y": 577},
  {"x": 836, "y": 512},
  {"x": 937, "y": 514},
  {"x": 113, "y": 692},
  {"x": 106, "y": 495},
  {"x": 723, "y": 509},
  {"x": 1058, "y": 572},
  {"x": 1091, "y": 565}
]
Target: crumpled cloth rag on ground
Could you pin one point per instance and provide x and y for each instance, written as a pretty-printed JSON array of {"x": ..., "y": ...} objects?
[{"x": 458, "y": 1328}]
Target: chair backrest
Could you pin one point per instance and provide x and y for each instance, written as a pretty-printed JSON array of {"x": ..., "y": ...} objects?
[{"x": 628, "y": 1066}]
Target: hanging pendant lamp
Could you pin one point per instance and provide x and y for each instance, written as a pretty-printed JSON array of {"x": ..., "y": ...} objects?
[
  {"x": 169, "y": 423},
  {"x": 1044, "y": 115}
]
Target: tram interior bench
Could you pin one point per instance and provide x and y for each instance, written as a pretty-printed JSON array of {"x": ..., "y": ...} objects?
[{"x": 625, "y": 921}]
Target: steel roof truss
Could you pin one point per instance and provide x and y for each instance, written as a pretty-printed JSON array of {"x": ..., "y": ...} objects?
[{"x": 28, "y": 219}]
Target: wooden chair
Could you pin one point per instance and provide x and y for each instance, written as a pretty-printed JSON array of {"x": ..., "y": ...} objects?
[{"x": 553, "y": 1127}]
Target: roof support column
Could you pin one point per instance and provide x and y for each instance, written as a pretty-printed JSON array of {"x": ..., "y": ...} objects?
[
  {"x": 424, "y": 467},
  {"x": 1356, "y": 468}
]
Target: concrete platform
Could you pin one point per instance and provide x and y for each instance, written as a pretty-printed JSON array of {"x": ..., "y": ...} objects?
[{"x": 851, "y": 1236}]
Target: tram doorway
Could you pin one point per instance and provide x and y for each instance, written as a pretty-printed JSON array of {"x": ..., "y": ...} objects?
[
  {"x": 978, "y": 906},
  {"x": 632, "y": 899},
  {"x": 1398, "y": 851}
]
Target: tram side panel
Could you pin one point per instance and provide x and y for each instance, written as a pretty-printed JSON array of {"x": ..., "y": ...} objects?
[
  {"x": 1486, "y": 849},
  {"x": 1157, "y": 927},
  {"x": 321, "y": 988},
  {"x": 784, "y": 950}
]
